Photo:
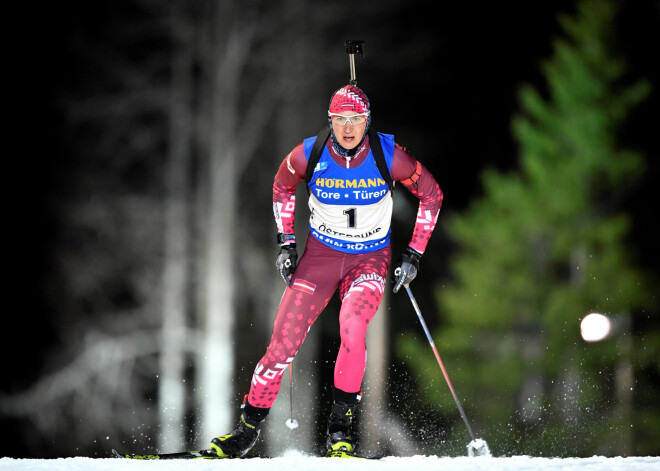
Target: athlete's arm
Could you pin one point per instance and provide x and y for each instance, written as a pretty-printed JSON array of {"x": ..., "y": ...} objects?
[
  {"x": 420, "y": 182},
  {"x": 291, "y": 172}
]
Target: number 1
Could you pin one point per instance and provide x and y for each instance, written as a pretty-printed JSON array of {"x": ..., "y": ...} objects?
[{"x": 351, "y": 216}]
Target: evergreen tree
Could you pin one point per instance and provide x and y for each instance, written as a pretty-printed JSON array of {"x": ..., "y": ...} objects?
[{"x": 543, "y": 247}]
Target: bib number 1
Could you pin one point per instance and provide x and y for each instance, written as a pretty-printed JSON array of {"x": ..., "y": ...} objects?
[{"x": 350, "y": 215}]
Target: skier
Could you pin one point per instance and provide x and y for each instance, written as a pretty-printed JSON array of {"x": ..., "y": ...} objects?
[{"x": 348, "y": 247}]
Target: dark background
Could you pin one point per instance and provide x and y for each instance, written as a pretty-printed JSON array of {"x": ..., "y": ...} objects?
[{"x": 443, "y": 79}]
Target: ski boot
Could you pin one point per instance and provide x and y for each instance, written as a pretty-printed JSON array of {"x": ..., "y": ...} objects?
[
  {"x": 237, "y": 443},
  {"x": 340, "y": 440}
]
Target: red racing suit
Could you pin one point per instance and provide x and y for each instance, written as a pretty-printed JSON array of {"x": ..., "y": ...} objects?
[{"x": 360, "y": 277}]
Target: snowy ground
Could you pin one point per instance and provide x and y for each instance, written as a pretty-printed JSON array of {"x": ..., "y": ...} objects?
[{"x": 294, "y": 461}]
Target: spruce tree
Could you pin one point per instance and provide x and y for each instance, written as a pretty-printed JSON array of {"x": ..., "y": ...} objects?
[{"x": 544, "y": 246}]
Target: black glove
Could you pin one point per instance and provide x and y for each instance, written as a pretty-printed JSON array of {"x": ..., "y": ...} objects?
[
  {"x": 405, "y": 269},
  {"x": 287, "y": 261}
]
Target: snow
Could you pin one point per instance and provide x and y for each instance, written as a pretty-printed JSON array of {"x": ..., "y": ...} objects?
[{"x": 295, "y": 461}]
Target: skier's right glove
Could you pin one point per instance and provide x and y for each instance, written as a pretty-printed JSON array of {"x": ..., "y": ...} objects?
[
  {"x": 287, "y": 260},
  {"x": 405, "y": 269}
]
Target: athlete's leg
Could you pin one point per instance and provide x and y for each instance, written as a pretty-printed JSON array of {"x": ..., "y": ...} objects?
[
  {"x": 361, "y": 291},
  {"x": 313, "y": 284}
]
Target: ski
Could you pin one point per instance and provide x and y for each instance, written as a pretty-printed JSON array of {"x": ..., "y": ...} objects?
[
  {"x": 345, "y": 454},
  {"x": 210, "y": 455},
  {"x": 182, "y": 455}
]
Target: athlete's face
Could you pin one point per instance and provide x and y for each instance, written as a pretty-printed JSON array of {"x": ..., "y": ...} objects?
[{"x": 349, "y": 135}]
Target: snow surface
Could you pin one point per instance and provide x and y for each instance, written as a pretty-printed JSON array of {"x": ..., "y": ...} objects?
[{"x": 295, "y": 461}]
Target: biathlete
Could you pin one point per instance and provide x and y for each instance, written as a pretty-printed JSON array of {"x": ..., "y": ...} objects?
[{"x": 348, "y": 248}]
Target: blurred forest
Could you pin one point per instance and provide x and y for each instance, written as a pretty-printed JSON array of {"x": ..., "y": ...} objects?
[
  {"x": 545, "y": 246},
  {"x": 141, "y": 237}
]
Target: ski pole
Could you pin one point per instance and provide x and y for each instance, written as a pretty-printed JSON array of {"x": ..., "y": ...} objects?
[
  {"x": 291, "y": 422},
  {"x": 437, "y": 356}
]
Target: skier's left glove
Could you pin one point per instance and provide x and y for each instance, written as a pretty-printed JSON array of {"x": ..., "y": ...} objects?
[
  {"x": 287, "y": 260},
  {"x": 405, "y": 269}
]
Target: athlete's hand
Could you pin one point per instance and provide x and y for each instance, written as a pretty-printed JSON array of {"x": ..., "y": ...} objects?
[
  {"x": 287, "y": 261},
  {"x": 405, "y": 269}
]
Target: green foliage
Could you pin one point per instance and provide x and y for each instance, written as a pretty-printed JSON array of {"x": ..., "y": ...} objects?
[{"x": 542, "y": 248}]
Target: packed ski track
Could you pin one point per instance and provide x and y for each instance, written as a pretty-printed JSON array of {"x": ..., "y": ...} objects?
[{"x": 295, "y": 461}]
